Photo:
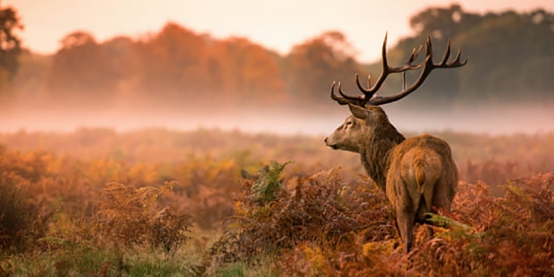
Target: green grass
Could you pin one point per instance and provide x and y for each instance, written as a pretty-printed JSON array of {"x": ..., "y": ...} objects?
[
  {"x": 243, "y": 269},
  {"x": 83, "y": 260}
]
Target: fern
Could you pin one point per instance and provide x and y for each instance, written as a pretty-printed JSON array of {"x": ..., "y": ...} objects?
[
  {"x": 134, "y": 216},
  {"x": 267, "y": 186},
  {"x": 445, "y": 222}
]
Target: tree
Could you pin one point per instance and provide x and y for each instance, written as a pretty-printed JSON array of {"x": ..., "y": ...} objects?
[
  {"x": 10, "y": 46},
  {"x": 444, "y": 23},
  {"x": 118, "y": 53},
  {"x": 511, "y": 57},
  {"x": 313, "y": 65},
  {"x": 181, "y": 67},
  {"x": 172, "y": 65},
  {"x": 81, "y": 71},
  {"x": 244, "y": 71}
]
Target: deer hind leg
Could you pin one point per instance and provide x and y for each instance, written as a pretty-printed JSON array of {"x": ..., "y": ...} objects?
[{"x": 405, "y": 221}]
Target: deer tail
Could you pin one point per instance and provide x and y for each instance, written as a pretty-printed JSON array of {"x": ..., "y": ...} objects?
[{"x": 424, "y": 183}]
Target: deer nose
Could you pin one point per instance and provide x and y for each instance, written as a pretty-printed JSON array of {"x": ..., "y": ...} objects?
[{"x": 325, "y": 140}]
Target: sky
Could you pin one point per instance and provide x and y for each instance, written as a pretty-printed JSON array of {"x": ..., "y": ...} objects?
[{"x": 275, "y": 24}]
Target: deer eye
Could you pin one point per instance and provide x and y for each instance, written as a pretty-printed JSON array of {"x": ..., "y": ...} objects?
[{"x": 348, "y": 123}]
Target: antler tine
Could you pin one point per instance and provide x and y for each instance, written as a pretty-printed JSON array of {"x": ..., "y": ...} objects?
[
  {"x": 446, "y": 54},
  {"x": 456, "y": 62},
  {"x": 403, "y": 81},
  {"x": 364, "y": 90},
  {"x": 384, "y": 54},
  {"x": 428, "y": 47},
  {"x": 415, "y": 54},
  {"x": 413, "y": 57},
  {"x": 345, "y": 99},
  {"x": 348, "y": 97},
  {"x": 339, "y": 100},
  {"x": 370, "y": 91},
  {"x": 360, "y": 100}
]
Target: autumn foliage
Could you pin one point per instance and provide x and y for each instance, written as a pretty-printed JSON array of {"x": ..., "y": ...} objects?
[{"x": 176, "y": 65}]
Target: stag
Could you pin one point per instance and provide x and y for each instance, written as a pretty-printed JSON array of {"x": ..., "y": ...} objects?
[{"x": 417, "y": 174}]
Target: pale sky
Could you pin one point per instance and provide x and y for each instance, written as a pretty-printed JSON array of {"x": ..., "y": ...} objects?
[{"x": 275, "y": 24}]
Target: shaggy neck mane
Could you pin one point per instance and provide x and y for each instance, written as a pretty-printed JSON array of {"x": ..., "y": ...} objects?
[{"x": 375, "y": 154}]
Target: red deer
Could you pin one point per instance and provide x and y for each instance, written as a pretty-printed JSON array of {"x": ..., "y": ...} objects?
[{"x": 417, "y": 174}]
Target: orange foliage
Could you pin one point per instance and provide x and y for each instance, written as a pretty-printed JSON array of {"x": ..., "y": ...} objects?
[
  {"x": 244, "y": 69},
  {"x": 172, "y": 68},
  {"x": 171, "y": 63}
]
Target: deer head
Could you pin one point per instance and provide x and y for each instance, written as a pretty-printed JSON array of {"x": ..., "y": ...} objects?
[{"x": 350, "y": 136}]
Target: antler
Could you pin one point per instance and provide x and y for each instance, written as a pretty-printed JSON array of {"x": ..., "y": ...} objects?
[{"x": 369, "y": 96}]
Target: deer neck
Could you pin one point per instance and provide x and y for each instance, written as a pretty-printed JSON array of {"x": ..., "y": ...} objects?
[{"x": 375, "y": 153}]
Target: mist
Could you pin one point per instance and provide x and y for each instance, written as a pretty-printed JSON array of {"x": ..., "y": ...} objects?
[{"x": 282, "y": 120}]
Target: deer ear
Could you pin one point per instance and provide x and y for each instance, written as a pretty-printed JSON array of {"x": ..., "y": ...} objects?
[{"x": 359, "y": 112}]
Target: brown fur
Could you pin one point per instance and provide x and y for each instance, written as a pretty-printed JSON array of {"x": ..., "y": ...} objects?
[{"x": 418, "y": 174}]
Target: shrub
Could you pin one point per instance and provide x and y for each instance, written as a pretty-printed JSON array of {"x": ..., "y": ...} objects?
[
  {"x": 21, "y": 221},
  {"x": 129, "y": 216}
]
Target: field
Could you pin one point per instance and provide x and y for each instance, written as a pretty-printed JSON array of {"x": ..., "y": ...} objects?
[{"x": 157, "y": 202}]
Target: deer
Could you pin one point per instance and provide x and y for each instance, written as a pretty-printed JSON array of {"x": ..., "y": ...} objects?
[{"x": 417, "y": 174}]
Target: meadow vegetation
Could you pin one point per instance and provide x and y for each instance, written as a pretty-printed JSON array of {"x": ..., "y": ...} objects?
[{"x": 156, "y": 202}]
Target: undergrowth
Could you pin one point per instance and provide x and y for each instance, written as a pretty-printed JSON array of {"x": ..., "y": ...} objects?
[
  {"x": 129, "y": 216},
  {"x": 107, "y": 210},
  {"x": 320, "y": 226},
  {"x": 23, "y": 219}
]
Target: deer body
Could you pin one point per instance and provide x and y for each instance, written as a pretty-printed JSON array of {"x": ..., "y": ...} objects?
[{"x": 417, "y": 174}]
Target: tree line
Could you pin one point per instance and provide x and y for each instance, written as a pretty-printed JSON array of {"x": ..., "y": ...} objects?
[
  {"x": 511, "y": 55},
  {"x": 511, "y": 58}
]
